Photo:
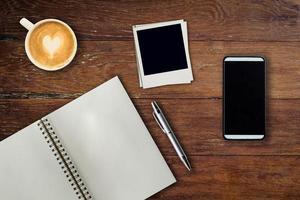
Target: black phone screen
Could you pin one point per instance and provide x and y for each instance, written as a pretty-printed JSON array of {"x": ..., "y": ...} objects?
[{"x": 244, "y": 97}]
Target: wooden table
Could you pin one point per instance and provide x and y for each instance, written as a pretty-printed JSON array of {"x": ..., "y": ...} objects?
[{"x": 268, "y": 169}]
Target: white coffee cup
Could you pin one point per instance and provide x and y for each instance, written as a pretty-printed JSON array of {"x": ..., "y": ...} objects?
[{"x": 30, "y": 27}]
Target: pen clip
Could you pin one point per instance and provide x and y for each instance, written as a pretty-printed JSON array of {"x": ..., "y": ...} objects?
[{"x": 158, "y": 122}]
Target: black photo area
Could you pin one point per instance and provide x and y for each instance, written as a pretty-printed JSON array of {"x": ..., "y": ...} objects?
[{"x": 162, "y": 49}]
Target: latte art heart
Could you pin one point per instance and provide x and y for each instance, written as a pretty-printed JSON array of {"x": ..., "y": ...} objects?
[{"x": 51, "y": 44}]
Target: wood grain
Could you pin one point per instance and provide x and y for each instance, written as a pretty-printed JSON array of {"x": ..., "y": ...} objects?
[
  {"x": 98, "y": 61},
  {"x": 235, "y": 177},
  {"x": 197, "y": 123},
  {"x": 232, "y": 20},
  {"x": 267, "y": 169}
]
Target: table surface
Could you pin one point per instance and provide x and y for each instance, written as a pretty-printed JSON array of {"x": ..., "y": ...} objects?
[{"x": 267, "y": 169}]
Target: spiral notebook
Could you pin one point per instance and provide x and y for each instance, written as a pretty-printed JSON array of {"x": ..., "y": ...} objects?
[{"x": 95, "y": 147}]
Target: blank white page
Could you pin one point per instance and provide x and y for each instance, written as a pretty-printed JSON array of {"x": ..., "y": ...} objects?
[
  {"x": 110, "y": 145},
  {"x": 29, "y": 170}
]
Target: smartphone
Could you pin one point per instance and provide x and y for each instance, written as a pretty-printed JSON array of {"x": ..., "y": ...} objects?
[{"x": 244, "y": 98}]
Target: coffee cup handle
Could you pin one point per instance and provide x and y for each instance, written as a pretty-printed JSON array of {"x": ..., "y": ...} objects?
[{"x": 26, "y": 23}]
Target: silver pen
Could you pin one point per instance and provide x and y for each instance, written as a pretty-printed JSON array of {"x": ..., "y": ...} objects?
[{"x": 166, "y": 128}]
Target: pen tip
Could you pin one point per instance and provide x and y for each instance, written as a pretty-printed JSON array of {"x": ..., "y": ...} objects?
[
  {"x": 189, "y": 167},
  {"x": 153, "y": 104},
  {"x": 187, "y": 163}
]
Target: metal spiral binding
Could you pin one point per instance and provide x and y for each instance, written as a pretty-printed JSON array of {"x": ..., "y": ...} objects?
[{"x": 64, "y": 160}]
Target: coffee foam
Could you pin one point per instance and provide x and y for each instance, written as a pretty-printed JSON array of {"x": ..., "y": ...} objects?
[{"x": 51, "y": 45}]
